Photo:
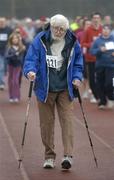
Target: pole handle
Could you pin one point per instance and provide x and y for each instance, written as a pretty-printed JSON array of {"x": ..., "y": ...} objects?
[{"x": 30, "y": 89}]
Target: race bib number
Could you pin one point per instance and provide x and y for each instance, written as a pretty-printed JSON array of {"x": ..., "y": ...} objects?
[
  {"x": 53, "y": 61},
  {"x": 109, "y": 45},
  {"x": 3, "y": 37}
]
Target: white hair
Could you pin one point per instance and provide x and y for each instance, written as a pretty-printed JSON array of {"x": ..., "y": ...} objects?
[{"x": 59, "y": 20}]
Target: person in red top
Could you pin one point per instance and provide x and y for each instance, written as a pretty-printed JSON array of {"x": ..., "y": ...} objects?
[
  {"x": 80, "y": 36},
  {"x": 90, "y": 36}
]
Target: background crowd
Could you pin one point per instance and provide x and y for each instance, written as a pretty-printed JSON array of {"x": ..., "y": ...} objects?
[{"x": 96, "y": 36}]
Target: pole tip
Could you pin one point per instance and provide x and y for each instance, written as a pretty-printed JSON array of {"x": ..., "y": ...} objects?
[{"x": 20, "y": 160}]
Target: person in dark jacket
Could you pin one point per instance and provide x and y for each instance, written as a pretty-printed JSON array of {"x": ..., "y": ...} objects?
[
  {"x": 54, "y": 61},
  {"x": 103, "y": 49},
  {"x": 14, "y": 56},
  {"x": 5, "y": 31}
]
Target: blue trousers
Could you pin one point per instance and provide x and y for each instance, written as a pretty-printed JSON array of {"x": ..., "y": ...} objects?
[{"x": 104, "y": 83}]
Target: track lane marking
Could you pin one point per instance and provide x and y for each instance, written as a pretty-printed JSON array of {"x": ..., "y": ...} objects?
[
  {"x": 14, "y": 150},
  {"x": 95, "y": 135}
]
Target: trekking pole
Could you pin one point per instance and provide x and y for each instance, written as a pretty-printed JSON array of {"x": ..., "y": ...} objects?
[
  {"x": 26, "y": 120},
  {"x": 86, "y": 125}
]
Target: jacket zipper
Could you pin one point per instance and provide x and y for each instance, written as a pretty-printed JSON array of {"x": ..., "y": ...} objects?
[
  {"x": 69, "y": 61},
  {"x": 47, "y": 73}
]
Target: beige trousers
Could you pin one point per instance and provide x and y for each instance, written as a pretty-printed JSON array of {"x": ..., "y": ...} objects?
[{"x": 47, "y": 122}]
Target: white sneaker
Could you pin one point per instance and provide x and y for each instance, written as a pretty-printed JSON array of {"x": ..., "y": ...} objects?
[
  {"x": 11, "y": 100},
  {"x": 102, "y": 107},
  {"x": 92, "y": 99},
  {"x": 49, "y": 164},
  {"x": 110, "y": 104},
  {"x": 85, "y": 95},
  {"x": 66, "y": 162},
  {"x": 16, "y": 100},
  {"x": 2, "y": 87},
  {"x": 89, "y": 91}
]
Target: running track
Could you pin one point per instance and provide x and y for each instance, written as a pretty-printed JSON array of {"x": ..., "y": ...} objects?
[{"x": 12, "y": 119}]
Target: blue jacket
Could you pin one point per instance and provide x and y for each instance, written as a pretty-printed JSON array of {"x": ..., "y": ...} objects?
[
  {"x": 103, "y": 59},
  {"x": 35, "y": 61}
]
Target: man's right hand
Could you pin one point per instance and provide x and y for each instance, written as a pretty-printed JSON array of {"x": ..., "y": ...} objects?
[
  {"x": 31, "y": 76},
  {"x": 103, "y": 48}
]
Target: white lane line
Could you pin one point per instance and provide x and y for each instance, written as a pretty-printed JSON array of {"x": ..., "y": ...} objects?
[
  {"x": 16, "y": 155},
  {"x": 96, "y": 136}
]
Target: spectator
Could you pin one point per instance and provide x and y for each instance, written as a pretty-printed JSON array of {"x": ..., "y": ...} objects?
[
  {"x": 23, "y": 39},
  {"x": 90, "y": 36},
  {"x": 103, "y": 49},
  {"x": 107, "y": 20},
  {"x": 14, "y": 56},
  {"x": 5, "y": 31},
  {"x": 40, "y": 24},
  {"x": 29, "y": 29},
  {"x": 80, "y": 36}
]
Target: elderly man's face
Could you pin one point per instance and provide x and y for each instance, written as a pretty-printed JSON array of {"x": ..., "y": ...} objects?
[{"x": 57, "y": 32}]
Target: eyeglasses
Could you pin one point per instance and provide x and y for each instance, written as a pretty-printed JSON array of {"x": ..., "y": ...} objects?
[{"x": 58, "y": 29}]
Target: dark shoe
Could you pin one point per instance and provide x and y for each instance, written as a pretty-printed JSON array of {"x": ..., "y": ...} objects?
[{"x": 66, "y": 162}]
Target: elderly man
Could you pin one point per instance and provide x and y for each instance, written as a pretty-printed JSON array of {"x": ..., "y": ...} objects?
[{"x": 54, "y": 61}]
